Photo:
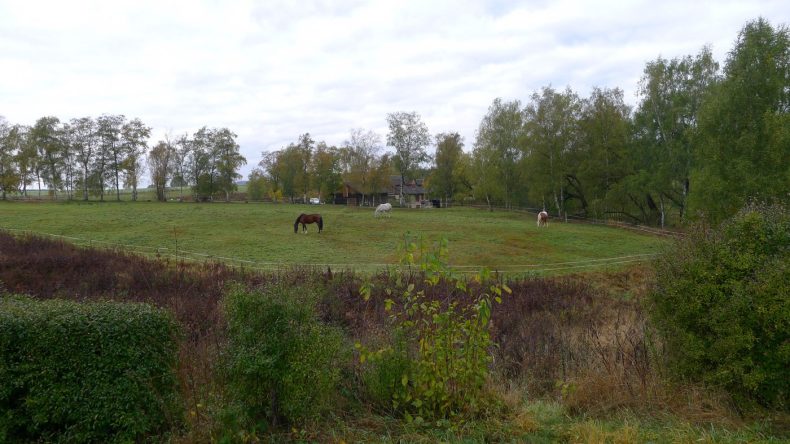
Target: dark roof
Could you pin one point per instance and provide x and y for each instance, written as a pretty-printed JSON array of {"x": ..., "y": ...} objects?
[
  {"x": 353, "y": 188},
  {"x": 410, "y": 187}
]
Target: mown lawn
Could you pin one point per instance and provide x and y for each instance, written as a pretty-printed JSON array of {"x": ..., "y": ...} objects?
[{"x": 262, "y": 233}]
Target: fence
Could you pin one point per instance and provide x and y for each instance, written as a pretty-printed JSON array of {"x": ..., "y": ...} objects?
[{"x": 193, "y": 256}]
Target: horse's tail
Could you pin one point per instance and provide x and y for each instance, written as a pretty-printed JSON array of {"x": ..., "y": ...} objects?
[
  {"x": 296, "y": 224},
  {"x": 320, "y": 223}
]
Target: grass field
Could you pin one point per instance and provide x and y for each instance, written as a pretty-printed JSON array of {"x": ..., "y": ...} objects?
[{"x": 263, "y": 234}]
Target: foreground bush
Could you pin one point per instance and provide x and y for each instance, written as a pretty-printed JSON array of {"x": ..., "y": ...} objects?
[
  {"x": 85, "y": 372},
  {"x": 722, "y": 305},
  {"x": 282, "y": 363},
  {"x": 437, "y": 365}
]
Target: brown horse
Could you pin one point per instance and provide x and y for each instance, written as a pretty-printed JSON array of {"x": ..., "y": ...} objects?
[
  {"x": 305, "y": 219},
  {"x": 543, "y": 219}
]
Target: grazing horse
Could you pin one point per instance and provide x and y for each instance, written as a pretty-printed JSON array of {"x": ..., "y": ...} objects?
[
  {"x": 384, "y": 208},
  {"x": 543, "y": 219},
  {"x": 305, "y": 219}
]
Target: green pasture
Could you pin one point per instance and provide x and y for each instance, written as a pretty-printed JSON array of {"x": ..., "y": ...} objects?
[{"x": 263, "y": 235}]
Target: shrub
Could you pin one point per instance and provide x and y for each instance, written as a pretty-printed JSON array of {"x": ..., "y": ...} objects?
[
  {"x": 85, "y": 372},
  {"x": 282, "y": 363},
  {"x": 722, "y": 305},
  {"x": 437, "y": 365}
]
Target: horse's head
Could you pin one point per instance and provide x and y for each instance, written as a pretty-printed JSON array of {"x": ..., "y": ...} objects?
[{"x": 296, "y": 224}]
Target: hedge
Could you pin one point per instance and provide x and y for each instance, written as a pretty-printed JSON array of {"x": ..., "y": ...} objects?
[
  {"x": 85, "y": 372},
  {"x": 282, "y": 363},
  {"x": 721, "y": 302}
]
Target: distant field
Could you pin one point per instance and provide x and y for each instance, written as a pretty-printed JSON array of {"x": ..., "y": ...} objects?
[{"x": 262, "y": 234}]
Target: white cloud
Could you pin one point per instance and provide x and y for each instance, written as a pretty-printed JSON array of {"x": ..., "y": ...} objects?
[{"x": 273, "y": 70}]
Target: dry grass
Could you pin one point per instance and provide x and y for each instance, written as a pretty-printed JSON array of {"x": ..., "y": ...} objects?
[{"x": 590, "y": 432}]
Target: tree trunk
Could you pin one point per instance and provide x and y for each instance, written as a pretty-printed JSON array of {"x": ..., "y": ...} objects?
[
  {"x": 401, "y": 189},
  {"x": 85, "y": 184},
  {"x": 117, "y": 186}
]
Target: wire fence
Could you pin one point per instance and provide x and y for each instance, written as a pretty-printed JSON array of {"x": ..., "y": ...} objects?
[{"x": 195, "y": 256}]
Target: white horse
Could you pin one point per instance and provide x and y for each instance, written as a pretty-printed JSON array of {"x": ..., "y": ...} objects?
[
  {"x": 543, "y": 219},
  {"x": 384, "y": 208}
]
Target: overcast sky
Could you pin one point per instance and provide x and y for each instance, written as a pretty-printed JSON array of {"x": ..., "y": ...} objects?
[{"x": 272, "y": 70}]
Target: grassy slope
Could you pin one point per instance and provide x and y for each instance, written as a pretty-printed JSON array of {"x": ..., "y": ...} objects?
[{"x": 264, "y": 232}]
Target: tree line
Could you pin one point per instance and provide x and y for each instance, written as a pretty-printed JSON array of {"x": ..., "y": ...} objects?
[
  {"x": 90, "y": 156},
  {"x": 701, "y": 140}
]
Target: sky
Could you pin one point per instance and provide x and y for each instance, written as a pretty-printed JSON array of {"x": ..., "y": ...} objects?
[{"x": 272, "y": 70}]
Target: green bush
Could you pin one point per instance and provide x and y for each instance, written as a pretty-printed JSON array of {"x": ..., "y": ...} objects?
[
  {"x": 85, "y": 372},
  {"x": 281, "y": 362},
  {"x": 437, "y": 365},
  {"x": 722, "y": 305}
]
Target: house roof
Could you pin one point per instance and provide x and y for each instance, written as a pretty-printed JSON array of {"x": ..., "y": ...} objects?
[
  {"x": 410, "y": 186},
  {"x": 353, "y": 188}
]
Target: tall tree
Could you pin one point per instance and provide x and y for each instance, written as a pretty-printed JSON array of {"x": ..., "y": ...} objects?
[
  {"x": 183, "y": 146},
  {"x": 380, "y": 172},
  {"x": 410, "y": 138},
  {"x": 744, "y": 146},
  {"x": 552, "y": 123},
  {"x": 445, "y": 180},
  {"x": 601, "y": 159},
  {"x": 257, "y": 184},
  {"x": 325, "y": 170},
  {"x": 485, "y": 168},
  {"x": 134, "y": 141},
  {"x": 271, "y": 168},
  {"x": 501, "y": 136},
  {"x": 160, "y": 166},
  {"x": 359, "y": 158},
  {"x": 290, "y": 170},
  {"x": 665, "y": 122},
  {"x": 9, "y": 145},
  {"x": 26, "y": 157},
  {"x": 84, "y": 140},
  {"x": 68, "y": 154},
  {"x": 228, "y": 159},
  {"x": 305, "y": 147},
  {"x": 200, "y": 167},
  {"x": 109, "y": 154},
  {"x": 46, "y": 136}
]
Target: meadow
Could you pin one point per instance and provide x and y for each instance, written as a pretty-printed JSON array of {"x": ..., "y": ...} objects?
[
  {"x": 260, "y": 235},
  {"x": 573, "y": 360}
]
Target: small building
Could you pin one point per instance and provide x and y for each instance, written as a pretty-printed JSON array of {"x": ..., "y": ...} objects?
[
  {"x": 349, "y": 194},
  {"x": 413, "y": 191}
]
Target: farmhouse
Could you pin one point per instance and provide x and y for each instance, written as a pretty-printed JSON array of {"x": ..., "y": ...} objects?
[
  {"x": 413, "y": 190},
  {"x": 350, "y": 193}
]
